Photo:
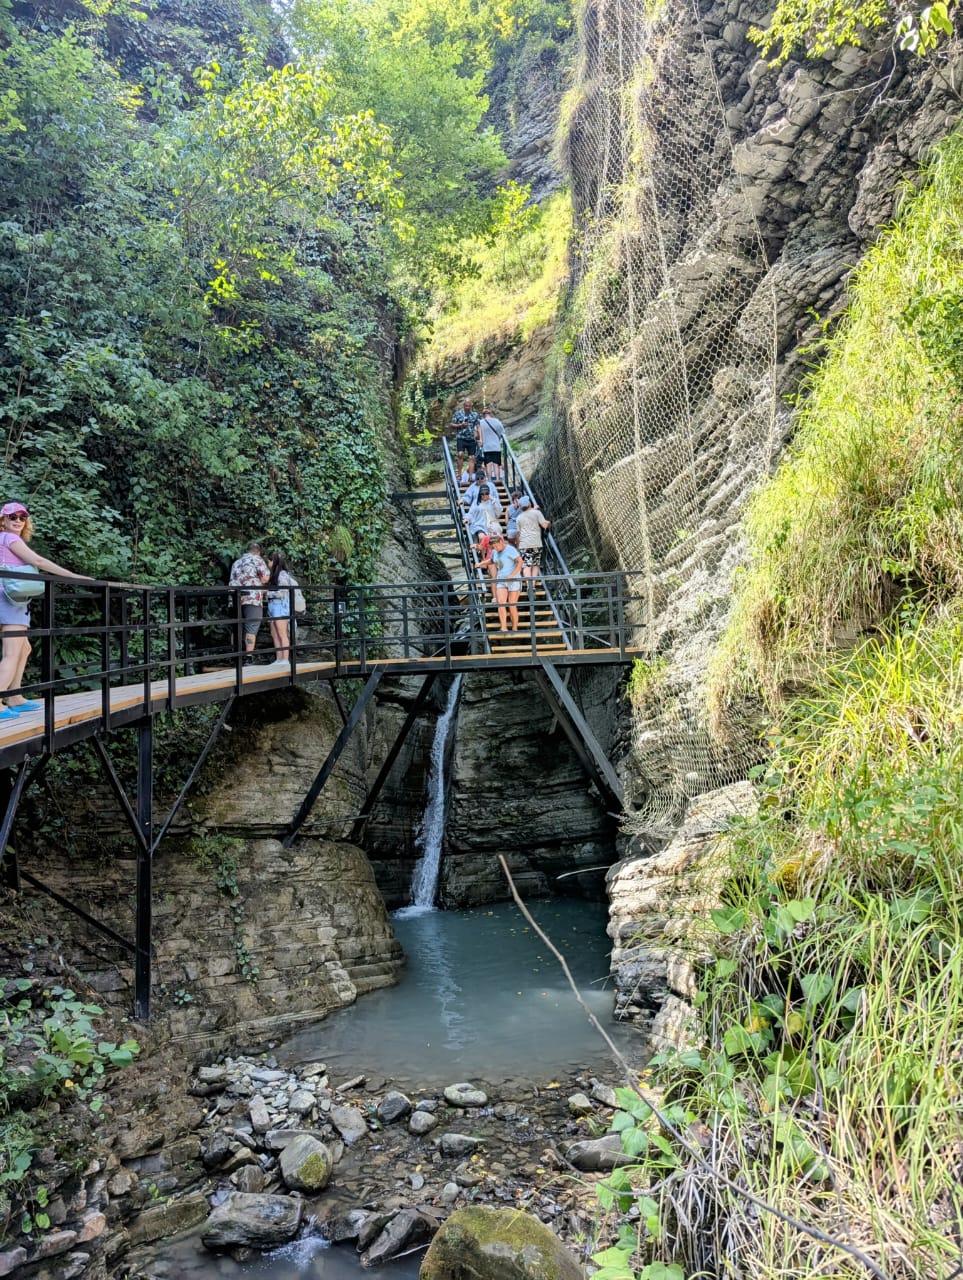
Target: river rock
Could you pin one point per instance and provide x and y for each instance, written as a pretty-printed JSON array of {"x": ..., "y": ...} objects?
[
  {"x": 465, "y": 1095},
  {"x": 312, "y": 1070},
  {"x": 598, "y": 1155},
  {"x": 306, "y": 1164},
  {"x": 350, "y": 1123},
  {"x": 406, "y": 1229},
  {"x": 421, "y": 1122},
  {"x": 372, "y": 1228},
  {"x": 252, "y": 1221},
  {"x": 216, "y": 1151},
  {"x": 458, "y": 1144},
  {"x": 450, "y": 1192},
  {"x": 393, "y": 1106},
  {"x": 301, "y": 1103},
  {"x": 345, "y": 1225},
  {"x": 604, "y": 1093},
  {"x": 260, "y": 1116},
  {"x": 251, "y": 1178},
  {"x": 267, "y": 1075},
  {"x": 479, "y": 1243},
  {"x": 467, "y": 1175},
  {"x": 211, "y": 1075},
  {"x": 579, "y": 1104}
]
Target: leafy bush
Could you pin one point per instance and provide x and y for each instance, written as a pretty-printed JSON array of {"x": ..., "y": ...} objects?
[{"x": 49, "y": 1049}]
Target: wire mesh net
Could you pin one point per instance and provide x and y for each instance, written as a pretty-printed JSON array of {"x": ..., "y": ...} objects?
[{"x": 663, "y": 406}]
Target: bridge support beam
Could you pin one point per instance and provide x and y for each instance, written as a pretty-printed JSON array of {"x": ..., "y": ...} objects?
[
  {"x": 587, "y": 747},
  {"x": 145, "y": 869},
  {"x": 361, "y": 820},
  {"x": 307, "y": 804}
]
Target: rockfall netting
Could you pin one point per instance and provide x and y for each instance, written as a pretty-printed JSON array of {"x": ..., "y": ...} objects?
[{"x": 664, "y": 408}]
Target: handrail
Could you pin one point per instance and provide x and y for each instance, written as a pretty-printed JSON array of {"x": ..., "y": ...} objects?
[
  {"x": 476, "y": 595},
  {"x": 555, "y": 562},
  {"x": 158, "y": 643}
]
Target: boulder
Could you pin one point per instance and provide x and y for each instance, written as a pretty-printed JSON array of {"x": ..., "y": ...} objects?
[
  {"x": 350, "y": 1123},
  {"x": 345, "y": 1225},
  {"x": 465, "y": 1095},
  {"x": 260, "y": 1116},
  {"x": 421, "y": 1122},
  {"x": 393, "y": 1106},
  {"x": 479, "y": 1243},
  {"x": 252, "y": 1221},
  {"x": 596, "y": 1155},
  {"x": 306, "y": 1164},
  {"x": 216, "y": 1151},
  {"x": 406, "y": 1229},
  {"x": 459, "y": 1144}
]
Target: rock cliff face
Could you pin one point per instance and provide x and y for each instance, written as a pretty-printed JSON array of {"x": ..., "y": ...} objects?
[
  {"x": 722, "y": 204},
  {"x": 518, "y": 789}
]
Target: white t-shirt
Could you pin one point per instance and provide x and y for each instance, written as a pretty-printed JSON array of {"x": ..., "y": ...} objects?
[{"x": 530, "y": 524}]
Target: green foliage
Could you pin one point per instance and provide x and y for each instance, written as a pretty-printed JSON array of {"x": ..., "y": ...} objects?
[
  {"x": 190, "y": 290},
  {"x": 218, "y": 854},
  {"x": 864, "y": 517},
  {"x": 49, "y": 1050},
  {"x": 820, "y": 27},
  {"x": 518, "y": 271},
  {"x": 645, "y": 678}
]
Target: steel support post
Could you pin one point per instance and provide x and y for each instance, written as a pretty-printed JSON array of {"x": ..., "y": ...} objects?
[
  {"x": 586, "y": 745},
  {"x": 307, "y": 804},
  {"x": 362, "y": 819},
  {"x": 142, "y": 935}
]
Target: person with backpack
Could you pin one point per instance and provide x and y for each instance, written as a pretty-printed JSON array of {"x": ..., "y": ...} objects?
[{"x": 491, "y": 436}]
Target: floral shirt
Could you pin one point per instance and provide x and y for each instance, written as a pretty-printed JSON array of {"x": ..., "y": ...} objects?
[{"x": 249, "y": 571}]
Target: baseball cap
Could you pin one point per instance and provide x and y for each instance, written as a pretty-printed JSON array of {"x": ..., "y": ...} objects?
[{"x": 13, "y": 509}]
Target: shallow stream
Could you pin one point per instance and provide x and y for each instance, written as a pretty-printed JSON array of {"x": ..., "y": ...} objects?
[{"x": 481, "y": 999}]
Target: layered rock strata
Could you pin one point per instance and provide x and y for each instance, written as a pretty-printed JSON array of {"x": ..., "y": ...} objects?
[{"x": 659, "y": 917}]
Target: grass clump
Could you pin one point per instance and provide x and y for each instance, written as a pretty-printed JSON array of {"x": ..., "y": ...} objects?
[
  {"x": 514, "y": 286},
  {"x": 830, "y": 1078},
  {"x": 867, "y": 510}
]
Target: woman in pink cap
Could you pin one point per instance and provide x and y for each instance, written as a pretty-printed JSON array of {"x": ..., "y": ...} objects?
[{"x": 16, "y": 530}]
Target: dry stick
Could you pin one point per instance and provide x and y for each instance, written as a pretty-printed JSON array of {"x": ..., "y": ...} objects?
[{"x": 693, "y": 1152}]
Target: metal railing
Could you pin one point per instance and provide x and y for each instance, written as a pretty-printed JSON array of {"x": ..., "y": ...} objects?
[{"x": 102, "y": 636}]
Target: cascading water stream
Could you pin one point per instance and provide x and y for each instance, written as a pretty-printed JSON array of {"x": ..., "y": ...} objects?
[{"x": 424, "y": 882}]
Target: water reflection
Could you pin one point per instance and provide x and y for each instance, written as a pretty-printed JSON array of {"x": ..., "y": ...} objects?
[
  {"x": 310, "y": 1258},
  {"x": 481, "y": 996}
]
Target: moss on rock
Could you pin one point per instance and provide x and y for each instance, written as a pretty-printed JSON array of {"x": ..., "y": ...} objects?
[{"x": 480, "y": 1243}]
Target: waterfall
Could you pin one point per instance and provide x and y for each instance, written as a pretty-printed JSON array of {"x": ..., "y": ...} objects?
[{"x": 431, "y": 834}]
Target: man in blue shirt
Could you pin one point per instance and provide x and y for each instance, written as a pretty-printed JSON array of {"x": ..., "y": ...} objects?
[{"x": 465, "y": 422}]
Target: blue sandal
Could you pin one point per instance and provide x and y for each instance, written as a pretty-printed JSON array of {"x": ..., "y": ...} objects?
[
  {"x": 29, "y": 704},
  {"x": 8, "y": 713}
]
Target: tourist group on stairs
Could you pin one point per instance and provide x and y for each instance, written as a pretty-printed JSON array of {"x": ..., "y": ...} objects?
[{"x": 507, "y": 542}]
